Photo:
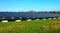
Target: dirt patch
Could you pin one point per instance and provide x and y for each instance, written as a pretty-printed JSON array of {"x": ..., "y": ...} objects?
[
  {"x": 6, "y": 27},
  {"x": 11, "y": 27},
  {"x": 20, "y": 26},
  {"x": 54, "y": 25},
  {"x": 44, "y": 27}
]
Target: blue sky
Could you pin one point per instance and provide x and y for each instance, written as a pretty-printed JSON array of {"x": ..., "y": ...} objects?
[{"x": 26, "y": 5}]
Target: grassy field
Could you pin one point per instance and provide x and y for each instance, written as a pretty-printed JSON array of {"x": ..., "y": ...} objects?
[{"x": 34, "y": 26}]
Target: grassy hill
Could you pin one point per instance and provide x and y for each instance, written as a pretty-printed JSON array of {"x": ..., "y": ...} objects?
[{"x": 34, "y": 26}]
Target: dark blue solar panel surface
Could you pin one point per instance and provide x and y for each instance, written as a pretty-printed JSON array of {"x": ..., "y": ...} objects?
[{"x": 26, "y": 14}]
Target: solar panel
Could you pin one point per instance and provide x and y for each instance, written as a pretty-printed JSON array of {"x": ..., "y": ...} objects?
[{"x": 25, "y": 14}]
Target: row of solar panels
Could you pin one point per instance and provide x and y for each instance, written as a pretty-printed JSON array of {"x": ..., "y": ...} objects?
[{"x": 26, "y": 14}]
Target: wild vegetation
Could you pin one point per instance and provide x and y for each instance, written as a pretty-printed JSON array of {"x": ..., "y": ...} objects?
[{"x": 34, "y": 26}]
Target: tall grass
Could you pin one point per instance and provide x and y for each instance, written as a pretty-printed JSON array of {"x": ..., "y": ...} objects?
[{"x": 34, "y": 26}]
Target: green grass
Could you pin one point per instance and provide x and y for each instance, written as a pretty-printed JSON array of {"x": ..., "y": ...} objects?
[{"x": 33, "y": 26}]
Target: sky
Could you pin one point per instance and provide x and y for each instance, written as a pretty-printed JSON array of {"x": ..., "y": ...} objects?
[{"x": 27, "y": 5}]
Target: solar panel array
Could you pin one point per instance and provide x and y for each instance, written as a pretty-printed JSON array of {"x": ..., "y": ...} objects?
[{"x": 26, "y": 14}]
